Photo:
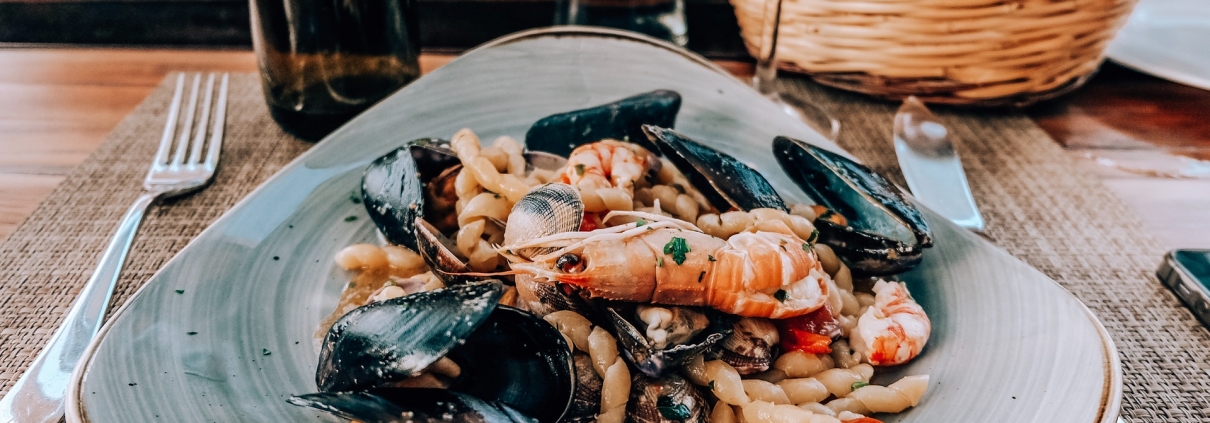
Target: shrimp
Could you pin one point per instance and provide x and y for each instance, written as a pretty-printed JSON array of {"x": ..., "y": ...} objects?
[
  {"x": 894, "y": 329},
  {"x": 662, "y": 260},
  {"x": 608, "y": 164}
]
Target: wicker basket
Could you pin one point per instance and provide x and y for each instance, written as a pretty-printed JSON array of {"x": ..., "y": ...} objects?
[{"x": 985, "y": 52}]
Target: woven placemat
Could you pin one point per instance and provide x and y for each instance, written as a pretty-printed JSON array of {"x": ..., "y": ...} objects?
[{"x": 1038, "y": 206}]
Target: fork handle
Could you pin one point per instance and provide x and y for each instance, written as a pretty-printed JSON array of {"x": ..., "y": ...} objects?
[{"x": 38, "y": 395}]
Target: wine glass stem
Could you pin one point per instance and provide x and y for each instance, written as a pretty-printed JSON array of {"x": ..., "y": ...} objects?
[{"x": 766, "y": 63}]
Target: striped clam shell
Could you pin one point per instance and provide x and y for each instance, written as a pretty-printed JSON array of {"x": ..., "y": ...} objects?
[{"x": 546, "y": 210}]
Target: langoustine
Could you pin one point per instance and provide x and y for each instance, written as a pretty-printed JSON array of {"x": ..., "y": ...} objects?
[{"x": 656, "y": 259}]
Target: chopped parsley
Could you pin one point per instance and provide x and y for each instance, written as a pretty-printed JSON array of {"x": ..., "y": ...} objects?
[
  {"x": 580, "y": 170},
  {"x": 860, "y": 384},
  {"x": 191, "y": 333},
  {"x": 677, "y": 247},
  {"x": 265, "y": 351},
  {"x": 640, "y": 222},
  {"x": 780, "y": 295},
  {"x": 671, "y": 410},
  {"x": 711, "y": 257},
  {"x": 352, "y": 284},
  {"x": 350, "y": 218},
  {"x": 700, "y": 276},
  {"x": 180, "y": 291},
  {"x": 814, "y": 236},
  {"x": 355, "y": 198},
  {"x": 806, "y": 246},
  {"x": 659, "y": 262},
  {"x": 711, "y": 385}
]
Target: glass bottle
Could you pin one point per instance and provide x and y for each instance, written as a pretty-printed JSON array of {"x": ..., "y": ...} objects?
[{"x": 324, "y": 61}]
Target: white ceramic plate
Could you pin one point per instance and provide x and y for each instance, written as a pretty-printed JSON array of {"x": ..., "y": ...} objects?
[
  {"x": 1168, "y": 39},
  {"x": 1008, "y": 344}
]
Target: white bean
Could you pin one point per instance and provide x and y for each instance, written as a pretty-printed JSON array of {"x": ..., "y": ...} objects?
[
  {"x": 726, "y": 383},
  {"x": 759, "y": 390},
  {"x": 615, "y": 388},
  {"x": 603, "y": 349}
]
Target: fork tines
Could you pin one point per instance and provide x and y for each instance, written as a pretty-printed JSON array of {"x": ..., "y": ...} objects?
[{"x": 184, "y": 152}]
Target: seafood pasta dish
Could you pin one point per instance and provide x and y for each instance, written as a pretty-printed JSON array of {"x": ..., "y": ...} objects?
[{"x": 611, "y": 269}]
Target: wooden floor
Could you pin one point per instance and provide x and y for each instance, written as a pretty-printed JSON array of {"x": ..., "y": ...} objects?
[{"x": 57, "y": 105}]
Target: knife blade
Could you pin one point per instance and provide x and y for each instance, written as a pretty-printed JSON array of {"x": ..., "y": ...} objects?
[{"x": 932, "y": 167}]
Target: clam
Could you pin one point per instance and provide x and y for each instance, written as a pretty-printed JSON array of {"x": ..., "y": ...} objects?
[
  {"x": 561, "y": 133},
  {"x": 411, "y": 405},
  {"x": 545, "y": 210},
  {"x": 666, "y": 399},
  {"x": 409, "y": 194},
  {"x": 750, "y": 347},
  {"x": 884, "y": 233},
  {"x": 726, "y": 182},
  {"x": 504, "y": 354},
  {"x": 642, "y": 351}
]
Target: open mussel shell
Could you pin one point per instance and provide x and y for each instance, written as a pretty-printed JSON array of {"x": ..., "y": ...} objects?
[
  {"x": 393, "y": 186},
  {"x": 622, "y": 120},
  {"x": 518, "y": 359},
  {"x": 411, "y": 405},
  {"x": 655, "y": 362},
  {"x": 388, "y": 341},
  {"x": 726, "y": 182},
  {"x": 441, "y": 254},
  {"x": 666, "y": 399},
  {"x": 885, "y": 234}
]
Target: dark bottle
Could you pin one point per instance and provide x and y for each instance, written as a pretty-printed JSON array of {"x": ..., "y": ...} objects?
[{"x": 324, "y": 61}]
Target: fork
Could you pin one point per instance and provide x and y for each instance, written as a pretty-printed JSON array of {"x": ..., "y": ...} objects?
[{"x": 38, "y": 396}]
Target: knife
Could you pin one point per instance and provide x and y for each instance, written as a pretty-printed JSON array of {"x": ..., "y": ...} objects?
[{"x": 932, "y": 167}]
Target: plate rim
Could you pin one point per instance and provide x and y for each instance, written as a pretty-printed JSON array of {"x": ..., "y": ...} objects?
[
  {"x": 1118, "y": 55},
  {"x": 75, "y": 411}
]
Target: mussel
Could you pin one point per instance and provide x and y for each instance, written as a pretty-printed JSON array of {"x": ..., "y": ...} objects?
[
  {"x": 504, "y": 354},
  {"x": 651, "y": 358},
  {"x": 409, "y": 194},
  {"x": 726, "y": 182},
  {"x": 885, "y": 234},
  {"x": 622, "y": 120}
]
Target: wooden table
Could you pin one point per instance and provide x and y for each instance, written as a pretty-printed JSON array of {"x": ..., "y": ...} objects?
[{"x": 57, "y": 105}]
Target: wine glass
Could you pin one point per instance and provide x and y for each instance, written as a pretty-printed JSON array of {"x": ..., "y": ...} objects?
[{"x": 765, "y": 78}]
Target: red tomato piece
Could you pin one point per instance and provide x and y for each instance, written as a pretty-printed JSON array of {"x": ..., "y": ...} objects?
[
  {"x": 810, "y": 333},
  {"x": 591, "y": 222}
]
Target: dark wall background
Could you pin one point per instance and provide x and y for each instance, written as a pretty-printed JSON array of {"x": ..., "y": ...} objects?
[{"x": 446, "y": 25}]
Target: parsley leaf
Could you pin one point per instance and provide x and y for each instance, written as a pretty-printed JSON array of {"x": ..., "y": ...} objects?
[
  {"x": 677, "y": 247},
  {"x": 265, "y": 351},
  {"x": 640, "y": 222},
  {"x": 711, "y": 257},
  {"x": 860, "y": 384},
  {"x": 711, "y": 385},
  {"x": 814, "y": 236},
  {"x": 350, "y": 218},
  {"x": 671, "y": 410},
  {"x": 180, "y": 291},
  {"x": 580, "y": 170},
  {"x": 659, "y": 262},
  {"x": 780, "y": 295}
]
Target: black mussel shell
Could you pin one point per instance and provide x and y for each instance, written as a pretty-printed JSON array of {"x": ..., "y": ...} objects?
[
  {"x": 560, "y": 134},
  {"x": 728, "y": 183},
  {"x": 885, "y": 234},
  {"x": 656, "y": 362},
  {"x": 392, "y": 187},
  {"x": 518, "y": 359},
  {"x": 411, "y": 405},
  {"x": 392, "y": 340},
  {"x": 667, "y": 399}
]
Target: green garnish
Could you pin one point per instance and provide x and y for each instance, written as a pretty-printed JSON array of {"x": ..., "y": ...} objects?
[
  {"x": 639, "y": 222},
  {"x": 191, "y": 333},
  {"x": 265, "y": 351},
  {"x": 580, "y": 170},
  {"x": 350, "y": 218},
  {"x": 180, "y": 291},
  {"x": 814, "y": 236},
  {"x": 352, "y": 284},
  {"x": 780, "y": 295},
  {"x": 355, "y": 198},
  {"x": 700, "y": 276},
  {"x": 806, "y": 246},
  {"x": 711, "y": 385},
  {"x": 860, "y": 384},
  {"x": 677, "y": 247},
  {"x": 711, "y": 257},
  {"x": 659, "y": 262},
  {"x": 671, "y": 410}
]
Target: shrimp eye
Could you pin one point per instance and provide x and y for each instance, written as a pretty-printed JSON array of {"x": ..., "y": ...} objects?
[{"x": 570, "y": 263}]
